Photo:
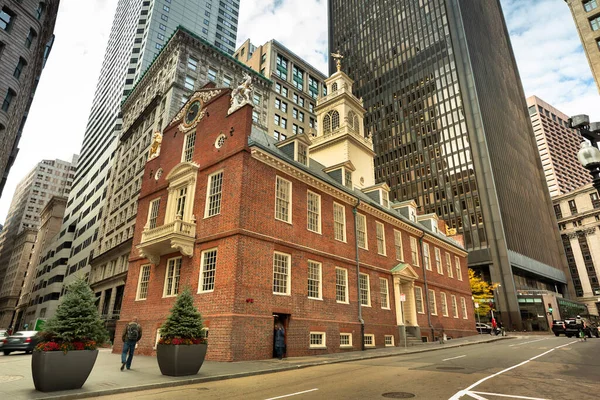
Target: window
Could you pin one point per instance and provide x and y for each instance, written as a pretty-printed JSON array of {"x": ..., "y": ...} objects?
[
  {"x": 30, "y": 38},
  {"x": 189, "y": 83},
  {"x": 414, "y": 253},
  {"x": 595, "y": 200},
  {"x": 295, "y": 113},
  {"x": 380, "y": 238},
  {"x": 341, "y": 285},
  {"x": 172, "y": 277},
  {"x": 331, "y": 121},
  {"x": 348, "y": 178},
  {"x": 389, "y": 340},
  {"x": 595, "y": 23},
  {"x": 166, "y": 8},
  {"x": 458, "y": 270},
  {"x": 162, "y": 27},
  {"x": 188, "y": 146},
  {"x": 256, "y": 99},
  {"x": 282, "y": 64},
  {"x": 10, "y": 94},
  {"x": 339, "y": 222},
  {"x": 313, "y": 212},
  {"x": 438, "y": 261},
  {"x": 207, "y": 271},
  {"x": 590, "y": 5},
  {"x": 364, "y": 290},
  {"x": 345, "y": 340},
  {"x": 40, "y": 10},
  {"x": 369, "y": 340},
  {"x": 449, "y": 265},
  {"x": 6, "y": 17},
  {"x": 398, "y": 245},
  {"x": 192, "y": 63},
  {"x": 212, "y": 74},
  {"x": 384, "y": 292},
  {"x": 573, "y": 206},
  {"x": 432, "y": 302},
  {"x": 283, "y": 197},
  {"x": 419, "y": 300},
  {"x": 454, "y": 306},
  {"x": 463, "y": 305},
  {"x": 361, "y": 231},
  {"x": 153, "y": 213},
  {"x": 213, "y": 194},
  {"x": 317, "y": 340},
  {"x": 281, "y": 273},
  {"x": 226, "y": 81},
  {"x": 142, "y": 289},
  {"x": 314, "y": 280},
  {"x": 426, "y": 259},
  {"x": 302, "y": 153},
  {"x": 180, "y": 202},
  {"x": 444, "y": 304}
]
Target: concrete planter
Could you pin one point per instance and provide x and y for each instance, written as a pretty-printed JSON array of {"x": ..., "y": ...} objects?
[
  {"x": 180, "y": 360},
  {"x": 55, "y": 370}
]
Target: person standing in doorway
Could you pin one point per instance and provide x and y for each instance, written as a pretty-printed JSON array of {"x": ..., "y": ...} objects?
[
  {"x": 131, "y": 335},
  {"x": 279, "y": 340}
]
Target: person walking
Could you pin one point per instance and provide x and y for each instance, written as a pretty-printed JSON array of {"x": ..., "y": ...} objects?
[
  {"x": 494, "y": 327},
  {"x": 279, "y": 340},
  {"x": 131, "y": 335}
]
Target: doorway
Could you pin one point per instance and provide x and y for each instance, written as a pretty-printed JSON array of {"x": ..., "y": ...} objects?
[{"x": 284, "y": 320}]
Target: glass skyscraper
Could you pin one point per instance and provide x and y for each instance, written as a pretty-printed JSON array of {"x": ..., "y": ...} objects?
[{"x": 447, "y": 112}]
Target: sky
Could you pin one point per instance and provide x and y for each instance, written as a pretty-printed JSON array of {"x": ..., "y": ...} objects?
[{"x": 549, "y": 55}]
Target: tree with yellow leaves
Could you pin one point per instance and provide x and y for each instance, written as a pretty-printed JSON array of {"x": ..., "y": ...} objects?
[{"x": 483, "y": 293}]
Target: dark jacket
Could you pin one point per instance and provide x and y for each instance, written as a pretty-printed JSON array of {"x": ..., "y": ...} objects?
[
  {"x": 280, "y": 337},
  {"x": 124, "y": 337}
]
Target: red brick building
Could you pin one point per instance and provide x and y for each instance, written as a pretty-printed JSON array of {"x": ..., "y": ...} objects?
[{"x": 267, "y": 231}]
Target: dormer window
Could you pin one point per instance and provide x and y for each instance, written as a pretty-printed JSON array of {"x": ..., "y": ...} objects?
[
  {"x": 302, "y": 155},
  {"x": 348, "y": 178},
  {"x": 296, "y": 148},
  {"x": 385, "y": 199},
  {"x": 379, "y": 193},
  {"x": 412, "y": 214}
]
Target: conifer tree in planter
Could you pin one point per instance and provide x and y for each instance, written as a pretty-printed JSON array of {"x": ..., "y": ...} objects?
[
  {"x": 67, "y": 351},
  {"x": 182, "y": 346}
]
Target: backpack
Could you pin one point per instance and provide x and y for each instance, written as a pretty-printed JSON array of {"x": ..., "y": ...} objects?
[{"x": 133, "y": 332}]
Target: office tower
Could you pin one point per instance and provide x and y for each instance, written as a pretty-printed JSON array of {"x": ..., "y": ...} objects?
[
  {"x": 26, "y": 37},
  {"x": 140, "y": 30},
  {"x": 578, "y": 215},
  {"x": 586, "y": 15},
  {"x": 150, "y": 108},
  {"x": 558, "y": 146},
  {"x": 297, "y": 85},
  {"x": 448, "y": 116},
  {"x": 48, "y": 178}
]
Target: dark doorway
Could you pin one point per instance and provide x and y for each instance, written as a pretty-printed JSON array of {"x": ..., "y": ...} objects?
[{"x": 284, "y": 320}]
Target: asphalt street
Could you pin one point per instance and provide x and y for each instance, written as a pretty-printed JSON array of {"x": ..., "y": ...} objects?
[{"x": 536, "y": 368}]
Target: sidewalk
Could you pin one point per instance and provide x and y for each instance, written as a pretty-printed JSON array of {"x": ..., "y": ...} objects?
[{"x": 106, "y": 378}]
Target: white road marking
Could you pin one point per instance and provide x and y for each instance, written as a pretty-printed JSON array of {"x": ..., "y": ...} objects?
[
  {"x": 464, "y": 392},
  {"x": 453, "y": 358},
  {"x": 292, "y": 394},
  {"x": 510, "y": 396},
  {"x": 531, "y": 341}
]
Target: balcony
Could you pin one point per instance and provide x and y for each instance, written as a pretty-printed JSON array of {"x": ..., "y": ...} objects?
[{"x": 178, "y": 235}]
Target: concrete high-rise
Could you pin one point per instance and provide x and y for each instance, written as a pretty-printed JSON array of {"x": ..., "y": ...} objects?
[
  {"x": 140, "y": 30},
  {"x": 586, "y": 14},
  {"x": 558, "y": 146},
  {"x": 448, "y": 116},
  {"x": 26, "y": 37}
]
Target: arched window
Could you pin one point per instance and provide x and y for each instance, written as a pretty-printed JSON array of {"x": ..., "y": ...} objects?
[
  {"x": 335, "y": 120},
  {"x": 327, "y": 123},
  {"x": 334, "y": 87},
  {"x": 352, "y": 120},
  {"x": 355, "y": 123}
]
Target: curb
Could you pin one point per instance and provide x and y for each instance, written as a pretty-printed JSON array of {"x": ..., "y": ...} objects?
[{"x": 190, "y": 381}]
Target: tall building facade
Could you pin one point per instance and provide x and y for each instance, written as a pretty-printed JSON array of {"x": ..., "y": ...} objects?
[
  {"x": 49, "y": 178},
  {"x": 140, "y": 30},
  {"x": 578, "y": 215},
  {"x": 296, "y": 86},
  {"x": 558, "y": 146},
  {"x": 448, "y": 116},
  {"x": 184, "y": 65},
  {"x": 26, "y": 37},
  {"x": 586, "y": 15}
]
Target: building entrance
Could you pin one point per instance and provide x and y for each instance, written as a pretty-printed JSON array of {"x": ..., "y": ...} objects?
[{"x": 280, "y": 322}]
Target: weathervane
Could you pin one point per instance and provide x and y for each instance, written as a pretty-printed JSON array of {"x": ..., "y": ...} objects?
[{"x": 338, "y": 60}]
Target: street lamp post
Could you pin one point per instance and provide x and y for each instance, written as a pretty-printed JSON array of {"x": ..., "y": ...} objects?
[{"x": 589, "y": 154}]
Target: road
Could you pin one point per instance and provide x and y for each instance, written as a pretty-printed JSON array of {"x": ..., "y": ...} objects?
[{"x": 536, "y": 368}]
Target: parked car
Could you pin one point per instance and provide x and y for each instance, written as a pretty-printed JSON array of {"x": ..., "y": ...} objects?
[
  {"x": 3, "y": 335},
  {"x": 572, "y": 328},
  {"x": 483, "y": 328},
  {"x": 558, "y": 327},
  {"x": 20, "y": 341}
]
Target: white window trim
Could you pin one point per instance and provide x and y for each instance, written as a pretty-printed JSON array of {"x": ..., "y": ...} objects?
[
  {"x": 152, "y": 202},
  {"x": 289, "y": 274},
  {"x": 463, "y": 306},
  {"x": 421, "y": 297},
  {"x": 431, "y": 296},
  {"x": 318, "y": 346},
  {"x": 368, "y": 290},
  {"x": 391, "y": 344},
  {"x": 167, "y": 275},
  {"x": 449, "y": 266},
  {"x": 349, "y": 345},
  {"x": 398, "y": 244},
  {"x": 202, "y": 266},
  {"x": 372, "y": 336},
  {"x": 387, "y": 289},
  {"x": 207, "y": 201},
  {"x": 380, "y": 225},
  {"x": 427, "y": 256},
  {"x": 439, "y": 263},
  {"x": 137, "y": 292},
  {"x": 289, "y": 221},
  {"x": 414, "y": 248},
  {"x": 185, "y": 145},
  {"x": 458, "y": 268},
  {"x": 364, "y": 218},
  {"x": 320, "y": 280},
  {"x": 343, "y": 222},
  {"x": 318, "y": 213},
  {"x": 444, "y": 304},
  {"x": 454, "y": 306},
  {"x": 346, "y": 286}
]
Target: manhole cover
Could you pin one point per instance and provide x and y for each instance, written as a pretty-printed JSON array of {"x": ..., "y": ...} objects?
[
  {"x": 398, "y": 395},
  {"x": 10, "y": 378},
  {"x": 450, "y": 368}
]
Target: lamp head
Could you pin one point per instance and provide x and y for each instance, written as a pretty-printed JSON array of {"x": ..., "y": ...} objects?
[
  {"x": 588, "y": 155},
  {"x": 579, "y": 121}
]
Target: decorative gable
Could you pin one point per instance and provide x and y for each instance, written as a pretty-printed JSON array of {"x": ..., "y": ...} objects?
[
  {"x": 379, "y": 193},
  {"x": 407, "y": 208},
  {"x": 296, "y": 147}
]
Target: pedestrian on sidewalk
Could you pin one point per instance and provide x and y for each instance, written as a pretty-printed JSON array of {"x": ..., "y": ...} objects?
[
  {"x": 131, "y": 335},
  {"x": 279, "y": 340}
]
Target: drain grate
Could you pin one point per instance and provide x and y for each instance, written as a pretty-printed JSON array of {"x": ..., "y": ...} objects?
[
  {"x": 398, "y": 395},
  {"x": 10, "y": 378},
  {"x": 450, "y": 368}
]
